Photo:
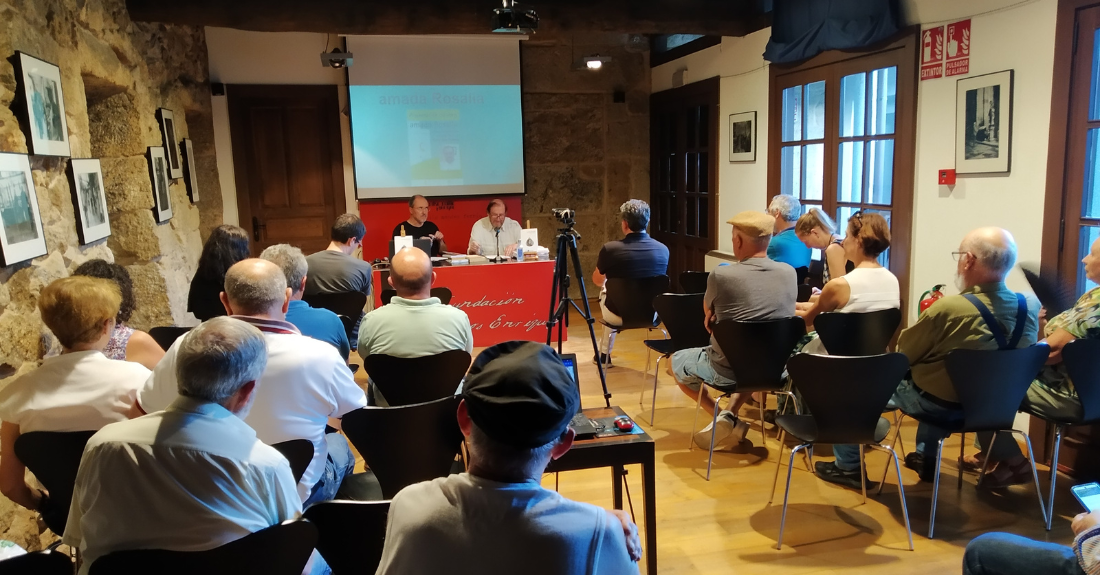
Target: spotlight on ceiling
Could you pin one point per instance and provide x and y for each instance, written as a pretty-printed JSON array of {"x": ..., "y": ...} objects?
[
  {"x": 337, "y": 58},
  {"x": 595, "y": 62},
  {"x": 512, "y": 19}
]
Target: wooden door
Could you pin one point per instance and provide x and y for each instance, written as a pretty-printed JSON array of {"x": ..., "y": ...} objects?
[
  {"x": 288, "y": 163},
  {"x": 684, "y": 173}
]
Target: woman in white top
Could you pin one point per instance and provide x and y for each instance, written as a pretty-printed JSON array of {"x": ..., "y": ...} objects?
[{"x": 79, "y": 390}]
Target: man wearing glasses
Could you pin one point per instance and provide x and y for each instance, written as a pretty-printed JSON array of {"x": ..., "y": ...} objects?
[
  {"x": 985, "y": 257},
  {"x": 336, "y": 269}
]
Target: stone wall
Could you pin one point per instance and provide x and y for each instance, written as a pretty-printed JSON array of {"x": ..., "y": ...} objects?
[
  {"x": 582, "y": 149},
  {"x": 115, "y": 74}
]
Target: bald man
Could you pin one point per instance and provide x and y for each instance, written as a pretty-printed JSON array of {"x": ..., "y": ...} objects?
[
  {"x": 413, "y": 324},
  {"x": 305, "y": 383},
  {"x": 496, "y": 231},
  {"x": 984, "y": 257}
]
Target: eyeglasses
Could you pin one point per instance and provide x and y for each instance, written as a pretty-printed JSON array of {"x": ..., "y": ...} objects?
[{"x": 958, "y": 255}]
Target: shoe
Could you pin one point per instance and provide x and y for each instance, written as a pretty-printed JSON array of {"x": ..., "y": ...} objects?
[
  {"x": 971, "y": 463},
  {"x": 828, "y": 471},
  {"x": 1005, "y": 475},
  {"x": 730, "y": 431},
  {"x": 926, "y": 470},
  {"x": 606, "y": 360}
]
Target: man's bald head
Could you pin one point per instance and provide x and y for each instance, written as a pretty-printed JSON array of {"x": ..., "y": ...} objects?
[
  {"x": 410, "y": 272},
  {"x": 256, "y": 287},
  {"x": 989, "y": 254}
]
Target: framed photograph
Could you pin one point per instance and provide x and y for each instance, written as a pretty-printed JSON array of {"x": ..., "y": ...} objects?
[
  {"x": 743, "y": 137},
  {"x": 983, "y": 124},
  {"x": 158, "y": 174},
  {"x": 190, "y": 173},
  {"x": 89, "y": 201},
  {"x": 171, "y": 145},
  {"x": 41, "y": 106},
  {"x": 21, "y": 236}
]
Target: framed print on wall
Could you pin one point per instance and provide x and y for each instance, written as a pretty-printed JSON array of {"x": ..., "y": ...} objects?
[
  {"x": 171, "y": 146},
  {"x": 21, "y": 236},
  {"x": 89, "y": 200},
  {"x": 158, "y": 174},
  {"x": 983, "y": 124},
  {"x": 41, "y": 106},
  {"x": 190, "y": 174},
  {"x": 743, "y": 137}
]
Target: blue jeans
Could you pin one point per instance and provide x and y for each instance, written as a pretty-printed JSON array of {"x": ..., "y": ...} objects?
[
  {"x": 340, "y": 464},
  {"x": 692, "y": 367},
  {"x": 1005, "y": 554}
]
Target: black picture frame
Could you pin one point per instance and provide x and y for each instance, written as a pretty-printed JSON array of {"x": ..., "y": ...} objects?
[
  {"x": 93, "y": 223},
  {"x": 158, "y": 176},
  {"x": 190, "y": 169},
  {"x": 167, "y": 120}
]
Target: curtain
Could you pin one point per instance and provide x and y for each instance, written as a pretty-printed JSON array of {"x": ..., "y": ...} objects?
[{"x": 802, "y": 29}]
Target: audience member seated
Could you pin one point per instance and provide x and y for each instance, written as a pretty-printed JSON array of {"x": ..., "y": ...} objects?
[
  {"x": 79, "y": 390},
  {"x": 336, "y": 269},
  {"x": 495, "y": 229},
  {"x": 818, "y": 231},
  {"x": 868, "y": 287},
  {"x": 306, "y": 382},
  {"x": 126, "y": 342},
  {"x": 413, "y": 324},
  {"x": 226, "y": 246},
  {"x": 753, "y": 289},
  {"x": 497, "y": 518},
  {"x": 194, "y": 476},
  {"x": 785, "y": 246},
  {"x": 320, "y": 324},
  {"x": 419, "y": 227},
  {"x": 635, "y": 256},
  {"x": 1007, "y": 554},
  {"x": 985, "y": 257}
]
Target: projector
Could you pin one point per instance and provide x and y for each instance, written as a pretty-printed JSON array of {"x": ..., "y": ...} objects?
[
  {"x": 513, "y": 19},
  {"x": 337, "y": 58}
]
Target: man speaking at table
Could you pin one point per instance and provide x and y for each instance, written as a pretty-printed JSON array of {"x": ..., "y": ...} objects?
[
  {"x": 419, "y": 227},
  {"x": 495, "y": 234}
]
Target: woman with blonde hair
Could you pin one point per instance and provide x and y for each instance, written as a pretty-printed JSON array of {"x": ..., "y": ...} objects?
[
  {"x": 79, "y": 390},
  {"x": 126, "y": 343},
  {"x": 818, "y": 231}
]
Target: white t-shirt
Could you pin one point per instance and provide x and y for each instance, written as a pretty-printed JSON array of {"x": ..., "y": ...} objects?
[
  {"x": 872, "y": 289},
  {"x": 78, "y": 391},
  {"x": 462, "y": 524},
  {"x": 486, "y": 236},
  {"x": 305, "y": 383}
]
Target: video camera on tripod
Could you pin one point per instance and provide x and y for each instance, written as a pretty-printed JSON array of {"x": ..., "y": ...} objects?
[{"x": 567, "y": 216}]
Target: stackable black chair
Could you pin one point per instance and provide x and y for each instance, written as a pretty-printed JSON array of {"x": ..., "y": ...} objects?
[
  {"x": 411, "y": 380},
  {"x": 990, "y": 386},
  {"x": 804, "y": 293},
  {"x": 166, "y": 335},
  {"x": 800, "y": 274},
  {"x": 48, "y": 562},
  {"x": 1081, "y": 359},
  {"x": 351, "y": 534},
  {"x": 348, "y": 305},
  {"x": 757, "y": 352},
  {"x": 408, "y": 444},
  {"x": 632, "y": 300},
  {"x": 846, "y": 396},
  {"x": 444, "y": 295},
  {"x": 278, "y": 550},
  {"x": 857, "y": 334},
  {"x": 694, "y": 282},
  {"x": 299, "y": 453},
  {"x": 682, "y": 315},
  {"x": 54, "y": 458}
]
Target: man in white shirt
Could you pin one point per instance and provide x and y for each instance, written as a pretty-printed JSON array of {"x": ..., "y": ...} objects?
[
  {"x": 306, "y": 382},
  {"x": 192, "y": 477},
  {"x": 495, "y": 234},
  {"x": 497, "y": 518}
]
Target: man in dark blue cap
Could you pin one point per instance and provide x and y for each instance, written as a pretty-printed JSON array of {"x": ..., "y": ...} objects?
[{"x": 497, "y": 518}]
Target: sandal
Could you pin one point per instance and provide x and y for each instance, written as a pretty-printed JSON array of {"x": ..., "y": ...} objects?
[
  {"x": 971, "y": 463},
  {"x": 1005, "y": 475}
]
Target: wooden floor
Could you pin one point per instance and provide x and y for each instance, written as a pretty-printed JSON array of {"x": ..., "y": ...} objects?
[{"x": 726, "y": 526}]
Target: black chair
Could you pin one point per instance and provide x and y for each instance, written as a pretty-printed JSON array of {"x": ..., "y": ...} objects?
[
  {"x": 48, "y": 562},
  {"x": 351, "y": 534},
  {"x": 444, "y": 295},
  {"x": 857, "y": 334},
  {"x": 348, "y": 305},
  {"x": 846, "y": 396},
  {"x": 299, "y": 453},
  {"x": 411, "y": 380},
  {"x": 694, "y": 282},
  {"x": 757, "y": 352},
  {"x": 280, "y": 549},
  {"x": 1080, "y": 360},
  {"x": 990, "y": 385},
  {"x": 800, "y": 274},
  {"x": 54, "y": 458},
  {"x": 166, "y": 335},
  {"x": 632, "y": 301},
  {"x": 682, "y": 315},
  {"x": 408, "y": 444},
  {"x": 804, "y": 293}
]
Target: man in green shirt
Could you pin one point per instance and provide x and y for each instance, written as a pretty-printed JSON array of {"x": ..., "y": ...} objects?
[{"x": 985, "y": 257}]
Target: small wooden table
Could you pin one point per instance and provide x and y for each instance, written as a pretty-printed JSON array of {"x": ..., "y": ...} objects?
[{"x": 616, "y": 452}]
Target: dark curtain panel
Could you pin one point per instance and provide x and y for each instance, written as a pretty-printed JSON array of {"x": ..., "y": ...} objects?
[{"x": 802, "y": 29}]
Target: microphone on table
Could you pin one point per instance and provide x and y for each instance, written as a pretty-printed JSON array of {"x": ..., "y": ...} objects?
[{"x": 498, "y": 258}]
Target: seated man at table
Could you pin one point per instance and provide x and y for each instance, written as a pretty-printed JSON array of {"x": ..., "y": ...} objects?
[
  {"x": 336, "y": 269},
  {"x": 413, "y": 324},
  {"x": 985, "y": 257},
  {"x": 494, "y": 232},
  {"x": 497, "y": 518},
  {"x": 753, "y": 289},
  {"x": 320, "y": 324},
  {"x": 635, "y": 256},
  {"x": 305, "y": 383},
  {"x": 194, "y": 476},
  {"x": 785, "y": 246},
  {"x": 418, "y": 226}
]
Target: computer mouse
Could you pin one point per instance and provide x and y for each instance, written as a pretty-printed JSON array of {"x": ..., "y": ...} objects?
[{"x": 624, "y": 424}]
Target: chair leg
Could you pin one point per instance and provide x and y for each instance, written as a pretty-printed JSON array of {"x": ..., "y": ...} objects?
[
  {"x": 962, "y": 446},
  {"x": 695, "y": 421},
  {"x": 794, "y": 400},
  {"x": 935, "y": 489},
  {"x": 653, "y": 408},
  {"x": 1035, "y": 474},
  {"x": 778, "y": 464},
  {"x": 901, "y": 488},
  {"x": 713, "y": 432},
  {"x": 862, "y": 474},
  {"x": 1058, "y": 429},
  {"x": 763, "y": 432},
  {"x": 985, "y": 463},
  {"x": 898, "y": 418},
  {"x": 786, "y": 496},
  {"x": 810, "y": 459}
]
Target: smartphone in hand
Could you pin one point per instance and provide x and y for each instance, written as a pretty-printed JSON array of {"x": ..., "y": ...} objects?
[{"x": 1088, "y": 494}]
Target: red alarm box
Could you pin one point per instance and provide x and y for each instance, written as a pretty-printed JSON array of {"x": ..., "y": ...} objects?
[{"x": 947, "y": 177}]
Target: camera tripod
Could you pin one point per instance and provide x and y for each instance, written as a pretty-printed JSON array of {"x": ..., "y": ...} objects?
[{"x": 560, "y": 300}]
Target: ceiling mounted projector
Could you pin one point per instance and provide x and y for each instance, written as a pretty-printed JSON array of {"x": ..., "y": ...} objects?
[
  {"x": 514, "y": 20},
  {"x": 337, "y": 58}
]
